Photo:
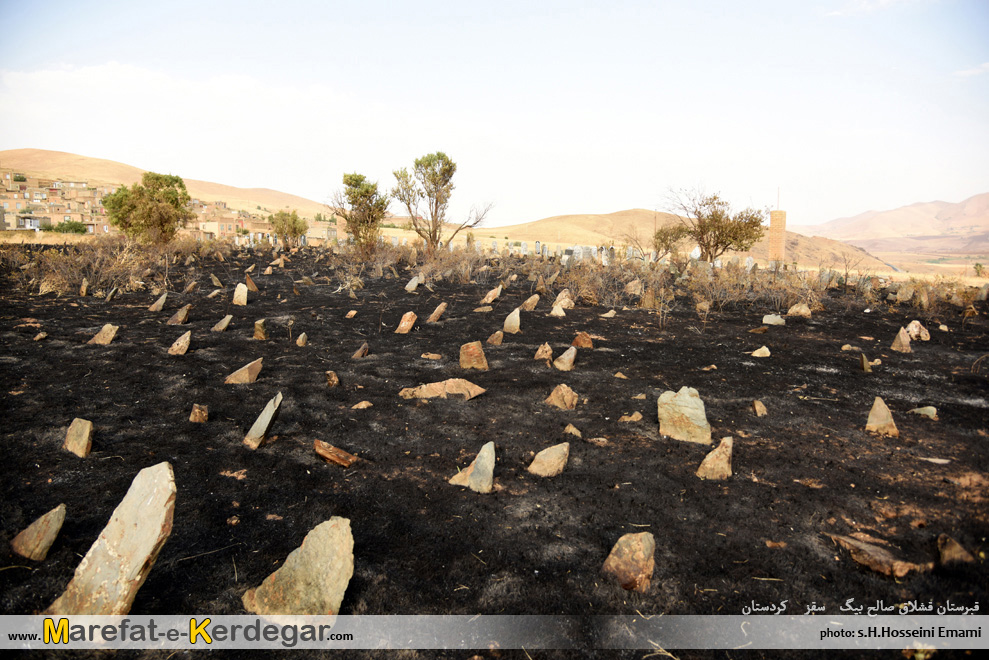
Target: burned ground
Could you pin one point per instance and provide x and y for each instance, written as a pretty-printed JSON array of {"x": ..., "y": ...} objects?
[{"x": 534, "y": 546}]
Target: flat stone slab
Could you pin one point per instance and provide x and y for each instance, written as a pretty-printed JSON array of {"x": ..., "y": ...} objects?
[
  {"x": 878, "y": 559},
  {"x": 314, "y": 576},
  {"x": 259, "y": 431},
  {"x": 246, "y": 374},
  {"x": 33, "y": 543},
  {"x": 443, "y": 389},
  {"x": 773, "y": 319},
  {"x": 682, "y": 416},
  {"x": 79, "y": 437},
  {"x": 632, "y": 561},
  {"x": 472, "y": 356},
  {"x": 479, "y": 475},
  {"x": 110, "y": 575}
]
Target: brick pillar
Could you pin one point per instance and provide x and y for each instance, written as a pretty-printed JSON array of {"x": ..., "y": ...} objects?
[{"x": 777, "y": 237}]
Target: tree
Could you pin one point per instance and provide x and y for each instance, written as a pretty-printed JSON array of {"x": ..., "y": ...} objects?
[
  {"x": 151, "y": 211},
  {"x": 709, "y": 221},
  {"x": 363, "y": 207},
  {"x": 67, "y": 227},
  {"x": 979, "y": 270},
  {"x": 431, "y": 183},
  {"x": 288, "y": 225}
]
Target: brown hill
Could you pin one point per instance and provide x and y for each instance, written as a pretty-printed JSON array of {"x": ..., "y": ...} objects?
[
  {"x": 638, "y": 225},
  {"x": 927, "y": 227},
  {"x": 62, "y": 165}
]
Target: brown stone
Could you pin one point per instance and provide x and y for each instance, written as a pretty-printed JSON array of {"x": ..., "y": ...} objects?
[
  {"x": 902, "y": 342},
  {"x": 302, "y": 340},
  {"x": 491, "y": 296},
  {"x": 159, "y": 304},
  {"x": 716, "y": 466},
  {"x": 634, "y": 417},
  {"x": 544, "y": 352},
  {"x": 572, "y": 430},
  {"x": 408, "y": 320},
  {"x": 557, "y": 311},
  {"x": 105, "y": 335},
  {"x": 110, "y": 575},
  {"x": 759, "y": 408},
  {"x": 313, "y": 578},
  {"x": 916, "y": 330},
  {"x": 864, "y": 363},
  {"x": 443, "y": 389},
  {"x": 200, "y": 414},
  {"x": 361, "y": 352},
  {"x": 79, "y": 437},
  {"x": 267, "y": 271},
  {"x": 483, "y": 309},
  {"x": 431, "y": 356},
  {"x": 949, "y": 550},
  {"x": 530, "y": 303},
  {"x": 363, "y": 405},
  {"x": 260, "y": 330},
  {"x": 881, "y": 420},
  {"x": 550, "y": 461},
  {"x": 583, "y": 340},
  {"x": 180, "y": 317},
  {"x": 249, "y": 283},
  {"x": 632, "y": 561},
  {"x": 479, "y": 475},
  {"x": 259, "y": 430},
  {"x": 181, "y": 345},
  {"x": 682, "y": 416},
  {"x": 760, "y": 330},
  {"x": 351, "y": 314},
  {"x": 878, "y": 559},
  {"x": 620, "y": 376},
  {"x": 216, "y": 281},
  {"x": 332, "y": 380},
  {"x": 512, "y": 322},
  {"x": 566, "y": 359},
  {"x": 496, "y": 338},
  {"x": 190, "y": 287},
  {"x": 761, "y": 352},
  {"x": 472, "y": 356},
  {"x": 246, "y": 374},
  {"x": 437, "y": 313},
  {"x": 610, "y": 314},
  {"x": 40, "y": 336},
  {"x": 562, "y": 397},
  {"x": 333, "y": 454},
  {"x": 33, "y": 543},
  {"x": 634, "y": 288},
  {"x": 800, "y": 309},
  {"x": 240, "y": 294}
]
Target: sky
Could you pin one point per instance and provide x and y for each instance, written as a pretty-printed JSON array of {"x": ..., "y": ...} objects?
[{"x": 832, "y": 107}]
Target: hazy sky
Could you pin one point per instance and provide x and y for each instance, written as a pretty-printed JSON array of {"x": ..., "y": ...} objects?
[{"x": 547, "y": 107}]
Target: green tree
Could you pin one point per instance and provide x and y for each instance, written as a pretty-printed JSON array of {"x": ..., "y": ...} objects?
[
  {"x": 709, "y": 221},
  {"x": 289, "y": 226},
  {"x": 362, "y": 206},
  {"x": 67, "y": 227},
  {"x": 151, "y": 211},
  {"x": 979, "y": 270},
  {"x": 668, "y": 239},
  {"x": 430, "y": 184}
]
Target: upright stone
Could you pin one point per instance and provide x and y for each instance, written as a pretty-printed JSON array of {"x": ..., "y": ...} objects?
[
  {"x": 180, "y": 317},
  {"x": 249, "y": 283},
  {"x": 199, "y": 414},
  {"x": 33, "y": 543},
  {"x": 582, "y": 340},
  {"x": 84, "y": 288},
  {"x": 224, "y": 322},
  {"x": 916, "y": 330},
  {"x": 302, "y": 340},
  {"x": 412, "y": 285},
  {"x": 881, "y": 420},
  {"x": 472, "y": 356},
  {"x": 109, "y": 576},
  {"x": 216, "y": 281},
  {"x": 902, "y": 342},
  {"x": 632, "y": 561},
  {"x": 562, "y": 397},
  {"x": 240, "y": 294},
  {"x": 491, "y": 295},
  {"x": 105, "y": 335},
  {"x": 181, "y": 345},
  {"x": 550, "y": 461},
  {"x": 246, "y": 374},
  {"x": 314, "y": 577},
  {"x": 530, "y": 303},
  {"x": 496, "y": 338},
  {"x": 406, "y": 324},
  {"x": 773, "y": 319},
  {"x": 512, "y": 322},
  {"x": 716, "y": 466},
  {"x": 544, "y": 352},
  {"x": 259, "y": 431},
  {"x": 759, "y": 408},
  {"x": 566, "y": 360},
  {"x": 159, "y": 304},
  {"x": 260, "y": 330},
  {"x": 682, "y": 416},
  {"x": 479, "y": 475},
  {"x": 79, "y": 437}
]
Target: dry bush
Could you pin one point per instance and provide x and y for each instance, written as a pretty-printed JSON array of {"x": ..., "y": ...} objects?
[
  {"x": 781, "y": 289},
  {"x": 722, "y": 287}
]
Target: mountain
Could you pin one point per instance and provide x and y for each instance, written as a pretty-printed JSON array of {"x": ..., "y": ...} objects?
[
  {"x": 922, "y": 228},
  {"x": 66, "y": 166}
]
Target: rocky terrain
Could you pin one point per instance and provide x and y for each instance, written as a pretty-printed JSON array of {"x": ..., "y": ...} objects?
[{"x": 811, "y": 506}]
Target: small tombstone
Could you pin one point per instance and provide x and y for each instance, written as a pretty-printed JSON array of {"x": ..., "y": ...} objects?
[
  {"x": 901, "y": 343},
  {"x": 550, "y": 461},
  {"x": 566, "y": 360},
  {"x": 437, "y": 313},
  {"x": 479, "y": 475},
  {"x": 562, "y": 397},
  {"x": 105, "y": 335},
  {"x": 530, "y": 303},
  {"x": 881, "y": 420},
  {"x": 332, "y": 380},
  {"x": 759, "y": 408},
  {"x": 496, "y": 338},
  {"x": 240, "y": 294},
  {"x": 199, "y": 414},
  {"x": 716, "y": 466},
  {"x": 223, "y": 323},
  {"x": 180, "y": 317},
  {"x": 302, "y": 340},
  {"x": 109, "y": 576},
  {"x": 260, "y": 330},
  {"x": 406, "y": 324},
  {"x": 682, "y": 416},
  {"x": 472, "y": 356},
  {"x": 582, "y": 340},
  {"x": 159, "y": 304},
  {"x": 35, "y": 540},
  {"x": 79, "y": 437},
  {"x": 512, "y": 322},
  {"x": 181, "y": 345},
  {"x": 259, "y": 431},
  {"x": 544, "y": 352},
  {"x": 525, "y": 249},
  {"x": 84, "y": 288},
  {"x": 632, "y": 561},
  {"x": 249, "y": 283},
  {"x": 361, "y": 352},
  {"x": 216, "y": 281},
  {"x": 246, "y": 374}
]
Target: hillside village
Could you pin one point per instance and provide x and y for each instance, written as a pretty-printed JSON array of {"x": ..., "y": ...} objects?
[{"x": 30, "y": 202}]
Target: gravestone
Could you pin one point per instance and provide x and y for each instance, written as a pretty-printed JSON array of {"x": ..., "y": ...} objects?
[
  {"x": 695, "y": 253},
  {"x": 394, "y": 241},
  {"x": 525, "y": 249}
]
